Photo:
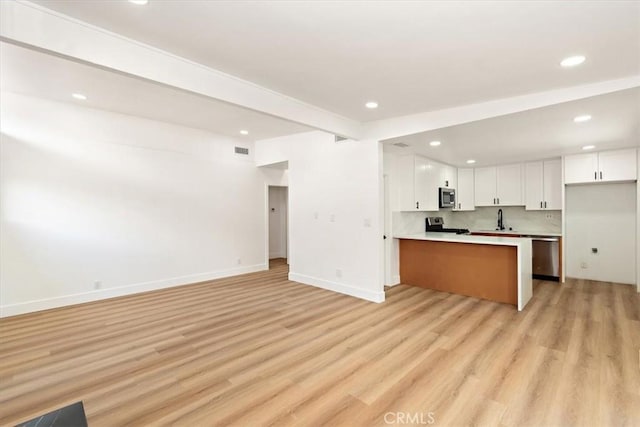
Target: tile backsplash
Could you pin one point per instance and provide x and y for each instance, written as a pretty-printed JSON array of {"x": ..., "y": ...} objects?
[{"x": 483, "y": 218}]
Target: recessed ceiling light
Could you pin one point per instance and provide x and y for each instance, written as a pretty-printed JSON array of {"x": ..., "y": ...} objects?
[
  {"x": 470, "y": 161},
  {"x": 371, "y": 105},
  {"x": 572, "y": 61},
  {"x": 244, "y": 132},
  {"x": 588, "y": 147},
  {"x": 79, "y": 96},
  {"x": 139, "y": 2},
  {"x": 583, "y": 118},
  {"x": 434, "y": 143}
]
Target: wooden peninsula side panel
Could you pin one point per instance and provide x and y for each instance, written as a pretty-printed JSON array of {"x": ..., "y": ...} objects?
[{"x": 477, "y": 270}]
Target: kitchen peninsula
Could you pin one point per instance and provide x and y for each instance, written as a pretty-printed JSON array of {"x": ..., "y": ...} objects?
[{"x": 488, "y": 267}]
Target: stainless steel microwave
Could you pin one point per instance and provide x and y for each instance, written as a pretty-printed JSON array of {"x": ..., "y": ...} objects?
[{"x": 447, "y": 197}]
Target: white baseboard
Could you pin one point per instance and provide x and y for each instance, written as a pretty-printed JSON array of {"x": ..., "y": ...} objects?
[
  {"x": 395, "y": 280},
  {"x": 61, "y": 301},
  {"x": 338, "y": 287}
]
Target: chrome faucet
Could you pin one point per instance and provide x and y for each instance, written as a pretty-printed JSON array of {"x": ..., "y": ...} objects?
[{"x": 500, "y": 221}]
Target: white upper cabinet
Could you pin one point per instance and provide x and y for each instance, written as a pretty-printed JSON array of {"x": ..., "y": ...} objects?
[
  {"x": 606, "y": 166},
  {"x": 581, "y": 168},
  {"x": 485, "y": 186},
  {"x": 543, "y": 185},
  {"x": 618, "y": 165},
  {"x": 509, "y": 185},
  {"x": 427, "y": 183},
  {"x": 553, "y": 184},
  {"x": 418, "y": 182},
  {"x": 499, "y": 186},
  {"x": 465, "y": 191},
  {"x": 406, "y": 183},
  {"x": 448, "y": 176}
]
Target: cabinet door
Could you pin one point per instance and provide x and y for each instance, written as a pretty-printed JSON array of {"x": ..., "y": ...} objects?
[
  {"x": 449, "y": 177},
  {"x": 430, "y": 199},
  {"x": 580, "y": 168},
  {"x": 618, "y": 165},
  {"x": 485, "y": 186},
  {"x": 420, "y": 183},
  {"x": 465, "y": 192},
  {"x": 553, "y": 184},
  {"x": 406, "y": 182},
  {"x": 509, "y": 185},
  {"x": 533, "y": 186}
]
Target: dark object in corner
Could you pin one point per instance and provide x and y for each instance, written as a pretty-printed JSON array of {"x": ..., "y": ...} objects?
[{"x": 69, "y": 416}]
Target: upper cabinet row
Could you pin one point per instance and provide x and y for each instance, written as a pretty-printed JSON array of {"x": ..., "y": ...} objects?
[
  {"x": 605, "y": 166},
  {"x": 535, "y": 185}
]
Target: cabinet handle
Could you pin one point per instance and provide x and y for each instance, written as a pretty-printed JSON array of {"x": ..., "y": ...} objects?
[
  {"x": 595, "y": 175},
  {"x": 417, "y": 205},
  {"x": 541, "y": 205},
  {"x": 446, "y": 183},
  {"x": 459, "y": 205},
  {"x": 498, "y": 200},
  {"x": 600, "y": 174},
  {"x": 494, "y": 200},
  {"x": 545, "y": 205}
]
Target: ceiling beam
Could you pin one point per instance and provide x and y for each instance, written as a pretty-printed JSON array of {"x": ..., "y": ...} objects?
[
  {"x": 423, "y": 122},
  {"x": 33, "y": 26}
]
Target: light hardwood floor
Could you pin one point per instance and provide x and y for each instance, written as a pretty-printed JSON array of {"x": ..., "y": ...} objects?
[{"x": 258, "y": 350}]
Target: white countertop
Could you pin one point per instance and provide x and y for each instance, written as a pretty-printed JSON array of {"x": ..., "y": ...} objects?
[{"x": 465, "y": 238}]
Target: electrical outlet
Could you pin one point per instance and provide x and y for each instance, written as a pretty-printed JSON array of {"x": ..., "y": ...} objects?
[
  {"x": 338, "y": 273},
  {"x": 367, "y": 222},
  {"x": 332, "y": 218},
  {"x": 97, "y": 284},
  {"x": 548, "y": 216},
  {"x": 239, "y": 261},
  {"x": 583, "y": 265},
  {"x": 315, "y": 215}
]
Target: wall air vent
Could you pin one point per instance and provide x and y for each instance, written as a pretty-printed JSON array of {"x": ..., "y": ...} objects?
[
  {"x": 242, "y": 150},
  {"x": 340, "y": 138},
  {"x": 401, "y": 144}
]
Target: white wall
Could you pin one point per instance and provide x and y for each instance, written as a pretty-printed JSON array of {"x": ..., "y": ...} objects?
[
  {"x": 601, "y": 216},
  {"x": 277, "y": 222},
  {"x": 334, "y": 212},
  {"x": 89, "y": 195}
]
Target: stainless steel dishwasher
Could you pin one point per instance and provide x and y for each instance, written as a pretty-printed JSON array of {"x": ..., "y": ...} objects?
[{"x": 546, "y": 257}]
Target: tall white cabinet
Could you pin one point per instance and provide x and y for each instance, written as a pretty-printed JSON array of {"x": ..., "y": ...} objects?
[
  {"x": 543, "y": 185},
  {"x": 499, "y": 185},
  {"x": 605, "y": 166}
]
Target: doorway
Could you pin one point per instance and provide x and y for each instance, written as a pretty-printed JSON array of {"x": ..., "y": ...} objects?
[{"x": 278, "y": 246}]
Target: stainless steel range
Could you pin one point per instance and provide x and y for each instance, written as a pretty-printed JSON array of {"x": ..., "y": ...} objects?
[{"x": 436, "y": 224}]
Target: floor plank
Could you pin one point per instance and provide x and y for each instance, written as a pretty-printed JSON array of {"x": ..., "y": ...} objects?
[{"x": 258, "y": 349}]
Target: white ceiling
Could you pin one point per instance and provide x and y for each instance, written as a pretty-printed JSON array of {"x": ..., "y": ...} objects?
[
  {"x": 534, "y": 134},
  {"x": 410, "y": 56},
  {"x": 38, "y": 74}
]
